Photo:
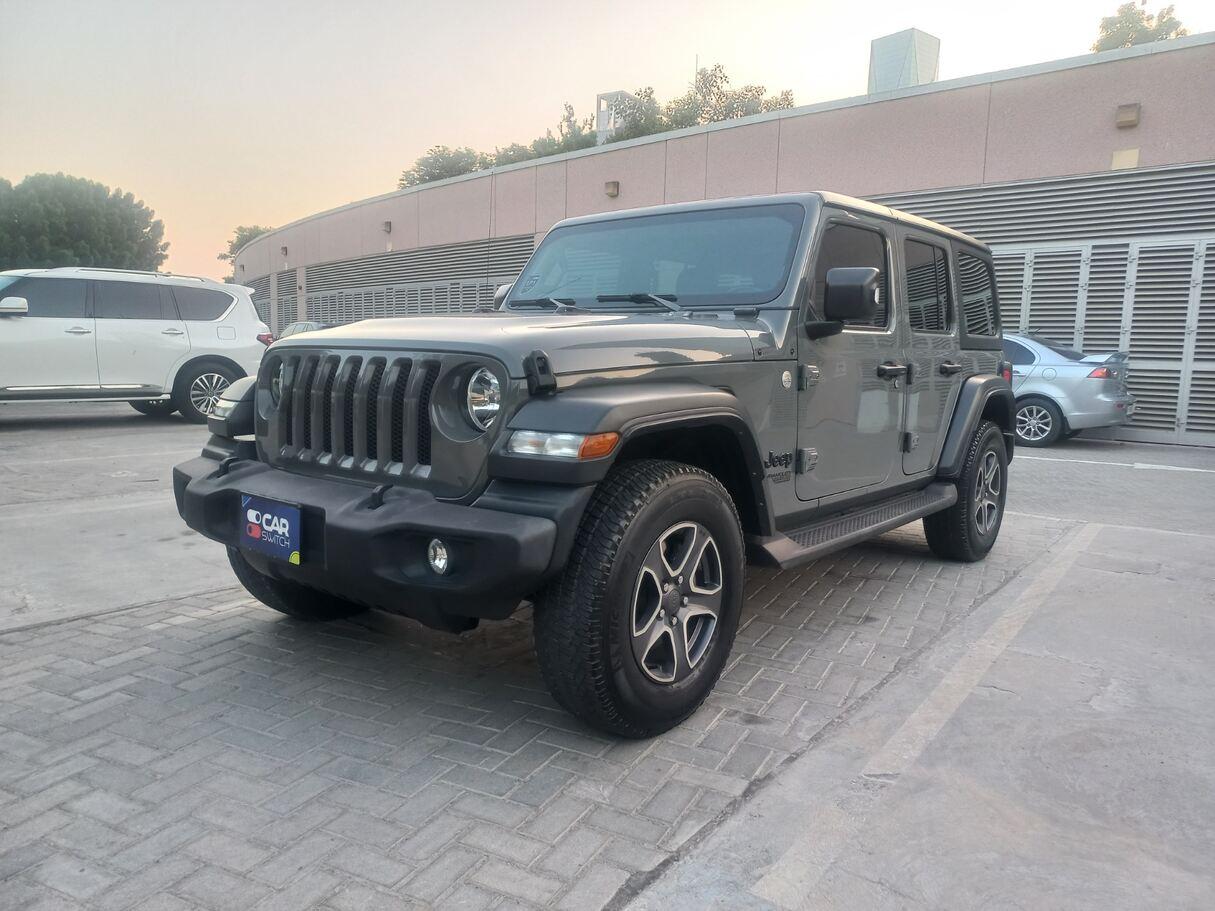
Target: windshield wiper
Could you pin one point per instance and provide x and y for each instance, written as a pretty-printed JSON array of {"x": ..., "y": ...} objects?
[
  {"x": 553, "y": 303},
  {"x": 667, "y": 301}
]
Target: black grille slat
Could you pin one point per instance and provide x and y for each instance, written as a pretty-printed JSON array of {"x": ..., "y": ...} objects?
[
  {"x": 428, "y": 385},
  {"x": 322, "y": 385},
  {"x": 327, "y": 405},
  {"x": 397, "y": 411},
  {"x": 373, "y": 410},
  {"x": 301, "y": 401}
]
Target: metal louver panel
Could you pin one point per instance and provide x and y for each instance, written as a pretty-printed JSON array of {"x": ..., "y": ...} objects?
[
  {"x": 1204, "y": 336},
  {"x": 261, "y": 297},
  {"x": 1200, "y": 413},
  {"x": 288, "y": 297},
  {"x": 1010, "y": 283},
  {"x": 1102, "y": 330},
  {"x": 1162, "y": 291},
  {"x": 1054, "y": 285},
  {"x": 1156, "y": 394}
]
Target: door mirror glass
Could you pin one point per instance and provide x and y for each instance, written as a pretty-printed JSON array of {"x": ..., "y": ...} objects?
[
  {"x": 14, "y": 306},
  {"x": 500, "y": 294}
]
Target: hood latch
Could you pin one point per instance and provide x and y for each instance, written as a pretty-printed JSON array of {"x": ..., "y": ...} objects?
[{"x": 539, "y": 372}]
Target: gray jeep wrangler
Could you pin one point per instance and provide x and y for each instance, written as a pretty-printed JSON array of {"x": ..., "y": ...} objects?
[{"x": 663, "y": 396}]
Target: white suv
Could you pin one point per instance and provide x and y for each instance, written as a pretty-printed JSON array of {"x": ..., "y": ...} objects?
[{"x": 164, "y": 343}]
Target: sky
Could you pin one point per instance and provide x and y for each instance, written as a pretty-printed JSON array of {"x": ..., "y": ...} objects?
[{"x": 223, "y": 113}]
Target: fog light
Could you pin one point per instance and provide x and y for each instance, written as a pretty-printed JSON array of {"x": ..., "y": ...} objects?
[{"x": 436, "y": 556}]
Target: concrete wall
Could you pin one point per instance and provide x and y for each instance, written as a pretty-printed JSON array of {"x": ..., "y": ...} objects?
[{"x": 1044, "y": 121}]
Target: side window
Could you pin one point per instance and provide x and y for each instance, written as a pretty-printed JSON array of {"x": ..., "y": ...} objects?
[
  {"x": 126, "y": 300},
  {"x": 978, "y": 294},
  {"x": 846, "y": 246},
  {"x": 51, "y": 298},
  {"x": 201, "y": 303},
  {"x": 1017, "y": 353},
  {"x": 928, "y": 304}
]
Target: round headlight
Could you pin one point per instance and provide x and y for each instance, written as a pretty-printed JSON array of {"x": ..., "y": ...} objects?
[
  {"x": 484, "y": 399},
  {"x": 276, "y": 383}
]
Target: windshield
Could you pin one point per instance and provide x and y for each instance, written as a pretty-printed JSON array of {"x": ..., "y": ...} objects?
[
  {"x": 6, "y": 280},
  {"x": 709, "y": 258}
]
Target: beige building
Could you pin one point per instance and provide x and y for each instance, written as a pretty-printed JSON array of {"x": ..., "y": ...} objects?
[{"x": 1092, "y": 178}]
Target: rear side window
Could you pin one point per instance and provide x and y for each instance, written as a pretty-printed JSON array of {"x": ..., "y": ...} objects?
[
  {"x": 51, "y": 298},
  {"x": 928, "y": 304},
  {"x": 847, "y": 246},
  {"x": 127, "y": 300},
  {"x": 978, "y": 294},
  {"x": 1017, "y": 353},
  {"x": 201, "y": 303}
]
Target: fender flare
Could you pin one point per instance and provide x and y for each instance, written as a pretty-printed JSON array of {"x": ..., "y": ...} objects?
[
  {"x": 633, "y": 410},
  {"x": 985, "y": 394}
]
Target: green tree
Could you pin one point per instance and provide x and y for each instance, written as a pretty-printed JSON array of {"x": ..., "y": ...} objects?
[
  {"x": 441, "y": 162},
  {"x": 50, "y": 220},
  {"x": 241, "y": 236},
  {"x": 1131, "y": 25},
  {"x": 708, "y": 100}
]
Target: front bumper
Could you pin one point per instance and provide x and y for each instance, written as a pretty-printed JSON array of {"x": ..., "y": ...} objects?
[{"x": 503, "y": 547}]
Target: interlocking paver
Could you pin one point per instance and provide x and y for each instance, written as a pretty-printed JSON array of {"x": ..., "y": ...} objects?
[{"x": 208, "y": 752}]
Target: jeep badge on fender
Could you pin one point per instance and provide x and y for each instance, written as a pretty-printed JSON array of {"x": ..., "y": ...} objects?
[{"x": 614, "y": 445}]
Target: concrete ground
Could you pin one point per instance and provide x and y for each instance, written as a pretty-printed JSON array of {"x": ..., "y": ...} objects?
[{"x": 894, "y": 731}]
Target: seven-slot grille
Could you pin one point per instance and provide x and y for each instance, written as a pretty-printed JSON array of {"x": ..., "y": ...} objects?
[{"x": 360, "y": 412}]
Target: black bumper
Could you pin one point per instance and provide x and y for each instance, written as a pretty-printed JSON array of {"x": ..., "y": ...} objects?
[{"x": 503, "y": 547}]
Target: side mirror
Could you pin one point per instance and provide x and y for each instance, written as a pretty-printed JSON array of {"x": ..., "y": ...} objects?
[
  {"x": 851, "y": 293},
  {"x": 14, "y": 306},
  {"x": 500, "y": 294}
]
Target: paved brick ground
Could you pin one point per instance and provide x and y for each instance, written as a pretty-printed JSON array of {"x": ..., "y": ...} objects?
[{"x": 210, "y": 753}]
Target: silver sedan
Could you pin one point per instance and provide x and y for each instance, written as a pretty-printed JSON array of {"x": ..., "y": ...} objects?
[{"x": 1061, "y": 391}]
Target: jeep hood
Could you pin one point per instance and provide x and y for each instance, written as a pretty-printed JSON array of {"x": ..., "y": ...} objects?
[{"x": 574, "y": 342}]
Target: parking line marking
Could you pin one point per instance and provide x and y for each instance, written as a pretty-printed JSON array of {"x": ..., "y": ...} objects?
[
  {"x": 1143, "y": 466},
  {"x": 788, "y": 883}
]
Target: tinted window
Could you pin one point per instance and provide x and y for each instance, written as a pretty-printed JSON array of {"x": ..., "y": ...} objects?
[
  {"x": 978, "y": 294},
  {"x": 1017, "y": 353},
  {"x": 1059, "y": 348},
  {"x": 847, "y": 246},
  {"x": 201, "y": 303},
  {"x": 927, "y": 287},
  {"x": 713, "y": 258},
  {"x": 126, "y": 300},
  {"x": 61, "y": 298}
]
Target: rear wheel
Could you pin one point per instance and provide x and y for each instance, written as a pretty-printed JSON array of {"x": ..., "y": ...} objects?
[
  {"x": 1039, "y": 422},
  {"x": 199, "y": 388},
  {"x": 156, "y": 408},
  {"x": 967, "y": 530},
  {"x": 634, "y": 634},
  {"x": 289, "y": 598}
]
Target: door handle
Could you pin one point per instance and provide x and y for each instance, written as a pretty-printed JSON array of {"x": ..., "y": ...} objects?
[
  {"x": 949, "y": 369},
  {"x": 78, "y": 330},
  {"x": 171, "y": 332},
  {"x": 891, "y": 370}
]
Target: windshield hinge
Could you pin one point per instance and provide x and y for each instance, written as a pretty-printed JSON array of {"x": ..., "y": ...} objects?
[{"x": 539, "y": 372}]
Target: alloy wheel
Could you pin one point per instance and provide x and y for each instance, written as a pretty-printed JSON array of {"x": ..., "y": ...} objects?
[
  {"x": 1034, "y": 423},
  {"x": 676, "y": 602},
  {"x": 988, "y": 485},
  {"x": 206, "y": 390}
]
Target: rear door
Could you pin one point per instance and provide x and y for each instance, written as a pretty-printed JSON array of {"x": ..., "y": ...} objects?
[
  {"x": 140, "y": 339},
  {"x": 1023, "y": 361},
  {"x": 934, "y": 349},
  {"x": 849, "y": 415},
  {"x": 51, "y": 349}
]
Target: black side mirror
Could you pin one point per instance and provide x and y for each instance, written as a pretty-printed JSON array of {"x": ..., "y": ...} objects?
[{"x": 851, "y": 293}]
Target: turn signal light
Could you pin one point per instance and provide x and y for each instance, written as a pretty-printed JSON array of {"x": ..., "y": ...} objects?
[
  {"x": 1101, "y": 373},
  {"x": 597, "y": 445}
]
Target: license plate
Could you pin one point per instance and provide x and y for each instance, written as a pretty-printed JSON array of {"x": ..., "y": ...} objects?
[{"x": 270, "y": 527}]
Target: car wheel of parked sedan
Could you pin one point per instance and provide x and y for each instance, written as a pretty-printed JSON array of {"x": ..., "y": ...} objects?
[
  {"x": 635, "y": 632},
  {"x": 199, "y": 388},
  {"x": 290, "y": 598},
  {"x": 156, "y": 408},
  {"x": 967, "y": 530},
  {"x": 1039, "y": 422}
]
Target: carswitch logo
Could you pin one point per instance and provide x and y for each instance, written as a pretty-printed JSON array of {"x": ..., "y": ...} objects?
[{"x": 272, "y": 529}]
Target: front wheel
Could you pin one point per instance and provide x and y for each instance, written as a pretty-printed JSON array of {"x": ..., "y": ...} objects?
[
  {"x": 967, "y": 530},
  {"x": 634, "y": 634}
]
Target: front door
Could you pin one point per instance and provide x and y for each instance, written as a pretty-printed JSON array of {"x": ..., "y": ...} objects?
[
  {"x": 850, "y": 404},
  {"x": 140, "y": 338},
  {"x": 51, "y": 350},
  {"x": 934, "y": 351}
]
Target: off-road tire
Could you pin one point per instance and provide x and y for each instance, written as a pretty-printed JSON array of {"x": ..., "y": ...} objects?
[
  {"x": 185, "y": 380},
  {"x": 1058, "y": 425},
  {"x": 954, "y": 533},
  {"x": 154, "y": 408},
  {"x": 288, "y": 598},
  {"x": 584, "y": 624}
]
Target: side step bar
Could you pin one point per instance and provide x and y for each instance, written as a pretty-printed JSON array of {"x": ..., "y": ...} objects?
[{"x": 801, "y": 545}]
